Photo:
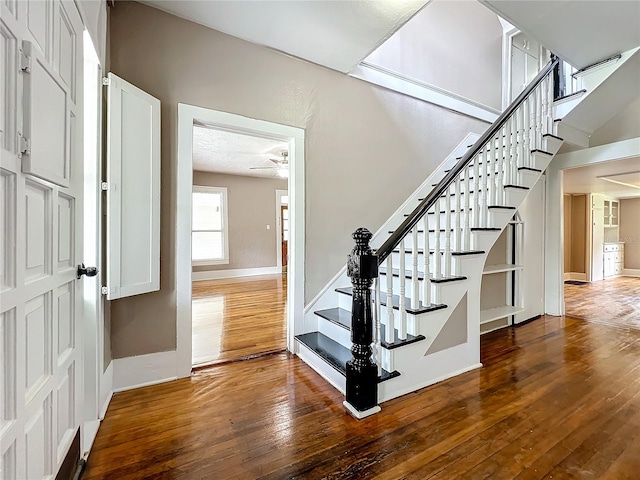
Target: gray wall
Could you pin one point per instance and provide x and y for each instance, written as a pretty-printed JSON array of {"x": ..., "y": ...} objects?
[
  {"x": 630, "y": 231},
  {"x": 251, "y": 207},
  {"x": 456, "y": 46},
  {"x": 366, "y": 148}
]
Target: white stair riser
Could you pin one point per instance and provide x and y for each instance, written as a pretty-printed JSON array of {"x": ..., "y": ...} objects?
[
  {"x": 325, "y": 370},
  {"x": 335, "y": 332},
  {"x": 515, "y": 196}
]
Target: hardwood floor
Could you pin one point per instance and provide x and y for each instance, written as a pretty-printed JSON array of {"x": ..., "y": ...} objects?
[
  {"x": 615, "y": 301},
  {"x": 236, "y": 318},
  {"x": 555, "y": 399}
]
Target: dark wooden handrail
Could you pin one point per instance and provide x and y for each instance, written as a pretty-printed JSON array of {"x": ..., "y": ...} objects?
[{"x": 414, "y": 217}]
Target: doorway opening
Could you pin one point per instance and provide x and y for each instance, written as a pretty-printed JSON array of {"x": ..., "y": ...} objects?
[
  {"x": 601, "y": 205},
  {"x": 239, "y": 291},
  {"x": 234, "y": 301}
]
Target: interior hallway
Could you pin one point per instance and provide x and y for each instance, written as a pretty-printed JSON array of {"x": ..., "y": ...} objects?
[
  {"x": 556, "y": 398},
  {"x": 614, "y": 301},
  {"x": 236, "y": 318}
]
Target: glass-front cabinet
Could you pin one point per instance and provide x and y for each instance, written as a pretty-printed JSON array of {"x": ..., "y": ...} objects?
[{"x": 611, "y": 213}]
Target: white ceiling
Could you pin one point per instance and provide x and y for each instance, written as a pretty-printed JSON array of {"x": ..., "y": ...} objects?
[
  {"x": 337, "y": 34},
  {"x": 580, "y": 32},
  {"x": 585, "y": 179},
  {"x": 234, "y": 153}
]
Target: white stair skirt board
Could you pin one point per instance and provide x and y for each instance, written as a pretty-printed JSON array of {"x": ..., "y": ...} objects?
[
  {"x": 234, "y": 273},
  {"x": 143, "y": 370}
]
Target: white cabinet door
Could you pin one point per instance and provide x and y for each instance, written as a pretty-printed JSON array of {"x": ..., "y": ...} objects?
[
  {"x": 40, "y": 235},
  {"x": 133, "y": 195}
]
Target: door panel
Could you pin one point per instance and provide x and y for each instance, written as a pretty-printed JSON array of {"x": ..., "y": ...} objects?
[
  {"x": 41, "y": 195},
  {"x": 133, "y": 197},
  {"x": 46, "y": 120}
]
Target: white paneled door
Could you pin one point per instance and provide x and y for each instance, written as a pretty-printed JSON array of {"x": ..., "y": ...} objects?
[{"x": 41, "y": 234}]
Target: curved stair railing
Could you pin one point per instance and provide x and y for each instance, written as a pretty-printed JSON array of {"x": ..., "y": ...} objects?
[{"x": 458, "y": 205}]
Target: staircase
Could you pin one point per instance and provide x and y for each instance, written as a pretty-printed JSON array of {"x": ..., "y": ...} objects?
[{"x": 420, "y": 323}]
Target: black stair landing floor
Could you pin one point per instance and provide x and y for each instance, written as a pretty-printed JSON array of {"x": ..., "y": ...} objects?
[
  {"x": 342, "y": 318},
  {"x": 396, "y": 302},
  {"x": 335, "y": 354}
]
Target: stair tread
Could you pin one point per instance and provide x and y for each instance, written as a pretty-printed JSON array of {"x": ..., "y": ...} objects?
[
  {"x": 409, "y": 274},
  {"x": 453, "y": 253},
  {"x": 396, "y": 302},
  {"x": 333, "y": 353},
  {"x": 338, "y": 316}
]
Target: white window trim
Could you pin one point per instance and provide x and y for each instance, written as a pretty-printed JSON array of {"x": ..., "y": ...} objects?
[{"x": 225, "y": 225}]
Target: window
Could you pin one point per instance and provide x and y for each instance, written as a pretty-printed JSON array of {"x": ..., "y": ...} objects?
[{"x": 209, "y": 233}]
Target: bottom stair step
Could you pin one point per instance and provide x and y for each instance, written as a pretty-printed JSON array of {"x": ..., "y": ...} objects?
[
  {"x": 334, "y": 354},
  {"x": 342, "y": 317}
]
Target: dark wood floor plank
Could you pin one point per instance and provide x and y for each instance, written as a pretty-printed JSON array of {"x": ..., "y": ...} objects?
[{"x": 549, "y": 394}]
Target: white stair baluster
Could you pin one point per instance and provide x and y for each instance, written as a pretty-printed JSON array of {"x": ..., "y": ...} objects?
[
  {"x": 426, "y": 284},
  {"x": 476, "y": 190},
  {"x": 538, "y": 94},
  {"x": 447, "y": 233},
  {"x": 512, "y": 158},
  {"x": 437, "y": 272},
  {"x": 467, "y": 213},
  {"x": 501, "y": 166},
  {"x": 495, "y": 169},
  {"x": 549, "y": 94},
  {"x": 532, "y": 126},
  {"x": 457, "y": 205},
  {"x": 402, "y": 325},
  {"x": 483, "y": 189},
  {"x": 519, "y": 139},
  {"x": 526, "y": 153},
  {"x": 376, "y": 319},
  {"x": 415, "y": 282},
  {"x": 390, "y": 327}
]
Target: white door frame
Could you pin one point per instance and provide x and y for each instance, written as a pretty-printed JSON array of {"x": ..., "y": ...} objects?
[
  {"x": 93, "y": 329},
  {"x": 554, "y": 230},
  {"x": 279, "y": 195},
  {"x": 187, "y": 114}
]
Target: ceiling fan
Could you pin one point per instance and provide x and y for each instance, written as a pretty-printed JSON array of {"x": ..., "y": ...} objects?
[{"x": 282, "y": 165}]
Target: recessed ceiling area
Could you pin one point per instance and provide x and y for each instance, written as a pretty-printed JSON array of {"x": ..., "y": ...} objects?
[
  {"x": 617, "y": 179},
  {"x": 580, "y": 32},
  {"x": 334, "y": 34},
  {"x": 234, "y": 153}
]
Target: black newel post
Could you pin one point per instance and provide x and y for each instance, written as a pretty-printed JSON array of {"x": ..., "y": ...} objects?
[
  {"x": 362, "y": 372},
  {"x": 559, "y": 87}
]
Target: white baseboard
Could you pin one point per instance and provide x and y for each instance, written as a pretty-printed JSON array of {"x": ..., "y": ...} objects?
[
  {"x": 106, "y": 386},
  {"x": 233, "y": 273},
  {"x": 631, "y": 272},
  {"x": 144, "y": 370},
  {"x": 88, "y": 433},
  {"x": 576, "y": 276}
]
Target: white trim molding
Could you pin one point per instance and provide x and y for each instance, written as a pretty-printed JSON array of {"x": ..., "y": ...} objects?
[
  {"x": 631, "y": 272},
  {"x": 187, "y": 114},
  {"x": 234, "y": 273},
  {"x": 412, "y": 87},
  {"x": 143, "y": 370}
]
